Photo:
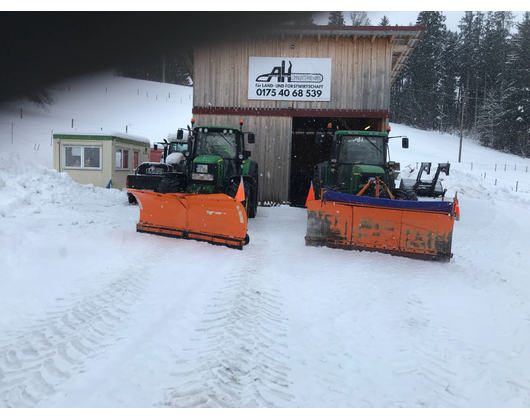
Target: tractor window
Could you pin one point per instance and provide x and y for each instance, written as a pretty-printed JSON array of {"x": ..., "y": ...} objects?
[
  {"x": 177, "y": 147},
  {"x": 362, "y": 149},
  {"x": 219, "y": 143}
]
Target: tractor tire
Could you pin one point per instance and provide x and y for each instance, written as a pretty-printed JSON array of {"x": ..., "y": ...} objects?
[
  {"x": 253, "y": 204},
  {"x": 319, "y": 178},
  {"x": 169, "y": 185},
  {"x": 401, "y": 194},
  {"x": 231, "y": 191},
  {"x": 131, "y": 198}
]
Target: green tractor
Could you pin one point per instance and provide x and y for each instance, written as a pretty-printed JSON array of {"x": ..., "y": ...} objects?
[
  {"x": 358, "y": 159},
  {"x": 216, "y": 161}
]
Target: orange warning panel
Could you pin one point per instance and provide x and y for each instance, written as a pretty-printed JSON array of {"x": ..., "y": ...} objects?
[
  {"x": 215, "y": 218},
  {"x": 416, "y": 233}
]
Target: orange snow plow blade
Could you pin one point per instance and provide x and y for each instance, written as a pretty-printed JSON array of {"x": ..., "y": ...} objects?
[
  {"x": 412, "y": 229},
  {"x": 215, "y": 218}
]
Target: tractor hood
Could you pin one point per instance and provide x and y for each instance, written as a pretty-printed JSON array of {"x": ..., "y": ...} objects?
[{"x": 207, "y": 159}]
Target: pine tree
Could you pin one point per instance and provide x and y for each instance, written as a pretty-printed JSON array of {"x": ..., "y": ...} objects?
[
  {"x": 336, "y": 19},
  {"x": 495, "y": 48},
  {"x": 304, "y": 19},
  {"x": 447, "y": 105},
  {"x": 384, "y": 21},
  {"x": 426, "y": 71},
  {"x": 518, "y": 92},
  {"x": 471, "y": 64}
]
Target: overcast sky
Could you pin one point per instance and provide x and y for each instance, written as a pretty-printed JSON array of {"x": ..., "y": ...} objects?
[{"x": 402, "y": 18}]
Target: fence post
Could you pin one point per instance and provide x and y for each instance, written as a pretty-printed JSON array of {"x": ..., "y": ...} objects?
[
  {"x": 516, "y": 185},
  {"x": 484, "y": 175},
  {"x": 515, "y": 168},
  {"x": 72, "y": 123},
  {"x": 471, "y": 165},
  {"x": 495, "y": 167},
  {"x": 504, "y": 167},
  {"x": 495, "y": 181}
]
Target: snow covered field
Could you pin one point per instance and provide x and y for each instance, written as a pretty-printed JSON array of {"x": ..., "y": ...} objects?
[{"x": 93, "y": 314}]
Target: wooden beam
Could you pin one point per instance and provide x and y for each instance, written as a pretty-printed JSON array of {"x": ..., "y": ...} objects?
[
  {"x": 391, "y": 40},
  {"x": 318, "y": 38},
  {"x": 408, "y": 40},
  {"x": 401, "y": 48},
  {"x": 301, "y": 37},
  {"x": 373, "y": 39},
  {"x": 354, "y": 39},
  {"x": 336, "y": 38}
]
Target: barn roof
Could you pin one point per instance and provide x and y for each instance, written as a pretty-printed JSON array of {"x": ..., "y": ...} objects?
[{"x": 404, "y": 39}]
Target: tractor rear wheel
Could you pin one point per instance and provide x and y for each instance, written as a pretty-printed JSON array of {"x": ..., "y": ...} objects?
[
  {"x": 169, "y": 185},
  {"x": 400, "y": 194}
]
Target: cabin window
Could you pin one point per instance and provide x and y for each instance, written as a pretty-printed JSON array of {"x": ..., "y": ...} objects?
[{"x": 82, "y": 157}]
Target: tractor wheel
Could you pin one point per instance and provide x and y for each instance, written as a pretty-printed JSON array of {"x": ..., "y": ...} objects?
[
  {"x": 400, "y": 194},
  {"x": 131, "y": 198},
  {"x": 169, "y": 185},
  {"x": 319, "y": 178},
  {"x": 231, "y": 189},
  {"x": 250, "y": 203},
  {"x": 253, "y": 203}
]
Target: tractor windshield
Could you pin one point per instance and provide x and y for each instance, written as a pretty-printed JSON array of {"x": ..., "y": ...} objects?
[
  {"x": 222, "y": 143},
  {"x": 362, "y": 150}
]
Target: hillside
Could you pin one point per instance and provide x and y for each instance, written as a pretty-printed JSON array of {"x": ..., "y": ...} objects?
[{"x": 99, "y": 102}]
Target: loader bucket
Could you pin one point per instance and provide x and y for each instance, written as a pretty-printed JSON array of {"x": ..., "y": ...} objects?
[
  {"x": 409, "y": 228},
  {"x": 215, "y": 218}
]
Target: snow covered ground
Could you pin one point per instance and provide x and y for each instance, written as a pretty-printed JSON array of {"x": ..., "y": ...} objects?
[{"x": 93, "y": 314}]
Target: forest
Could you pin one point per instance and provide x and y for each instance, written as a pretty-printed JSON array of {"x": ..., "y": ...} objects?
[{"x": 475, "y": 80}]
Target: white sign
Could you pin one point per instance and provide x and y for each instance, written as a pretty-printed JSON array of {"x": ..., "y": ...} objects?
[{"x": 289, "y": 79}]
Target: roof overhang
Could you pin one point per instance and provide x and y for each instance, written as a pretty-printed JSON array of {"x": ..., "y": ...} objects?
[{"x": 404, "y": 39}]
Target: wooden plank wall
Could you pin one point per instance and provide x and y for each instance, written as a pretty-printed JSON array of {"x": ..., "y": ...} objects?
[{"x": 360, "y": 72}]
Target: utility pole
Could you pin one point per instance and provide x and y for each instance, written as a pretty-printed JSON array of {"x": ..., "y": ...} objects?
[{"x": 461, "y": 128}]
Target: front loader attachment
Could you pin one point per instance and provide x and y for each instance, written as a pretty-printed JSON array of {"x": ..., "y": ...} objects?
[
  {"x": 215, "y": 218},
  {"x": 409, "y": 228}
]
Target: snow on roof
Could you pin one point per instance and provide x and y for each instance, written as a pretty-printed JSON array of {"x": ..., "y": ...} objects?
[{"x": 103, "y": 134}]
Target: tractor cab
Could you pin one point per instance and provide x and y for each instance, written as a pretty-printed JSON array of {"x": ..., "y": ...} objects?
[{"x": 356, "y": 158}]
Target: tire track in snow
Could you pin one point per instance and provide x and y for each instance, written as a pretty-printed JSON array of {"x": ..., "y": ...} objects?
[
  {"x": 240, "y": 359},
  {"x": 41, "y": 357}
]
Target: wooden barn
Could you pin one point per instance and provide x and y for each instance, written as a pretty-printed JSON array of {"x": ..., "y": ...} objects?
[{"x": 289, "y": 84}]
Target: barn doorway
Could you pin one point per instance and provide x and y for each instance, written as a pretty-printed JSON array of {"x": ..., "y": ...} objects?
[{"x": 306, "y": 154}]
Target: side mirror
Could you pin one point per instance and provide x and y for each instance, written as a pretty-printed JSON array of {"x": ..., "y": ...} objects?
[
  {"x": 246, "y": 154},
  {"x": 405, "y": 143},
  {"x": 155, "y": 146},
  {"x": 251, "y": 138},
  {"x": 180, "y": 134}
]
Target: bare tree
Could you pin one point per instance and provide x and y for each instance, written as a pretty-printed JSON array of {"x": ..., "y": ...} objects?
[{"x": 360, "y": 19}]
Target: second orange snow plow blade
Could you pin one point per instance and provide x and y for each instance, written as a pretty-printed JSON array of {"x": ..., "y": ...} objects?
[
  {"x": 214, "y": 218},
  {"x": 408, "y": 228}
]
